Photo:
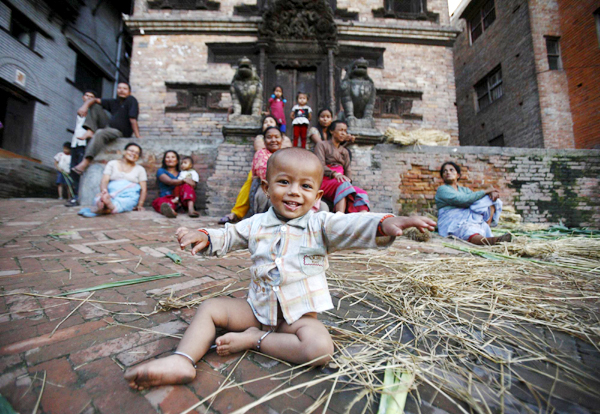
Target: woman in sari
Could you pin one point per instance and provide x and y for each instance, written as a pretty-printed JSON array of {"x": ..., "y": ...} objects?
[
  {"x": 242, "y": 203},
  {"x": 172, "y": 191},
  {"x": 123, "y": 185},
  {"x": 273, "y": 140},
  {"x": 466, "y": 214},
  {"x": 337, "y": 183}
]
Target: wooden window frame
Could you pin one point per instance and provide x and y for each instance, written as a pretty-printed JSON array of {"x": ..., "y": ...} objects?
[
  {"x": 481, "y": 19},
  {"x": 554, "y": 58},
  {"x": 489, "y": 86},
  {"x": 17, "y": 18}
]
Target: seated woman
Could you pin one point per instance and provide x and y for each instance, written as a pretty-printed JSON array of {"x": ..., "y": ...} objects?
[
  {"x": 123, "y": 185},
  {"x": 321, "y": 131},
  {"x": 337, "y": 184},
  {"x": 172, "y": 191},
  {"x": 466, "y": 214},
  {"x": 242, "y": 203},
  {"x": 273, "y": 141}
]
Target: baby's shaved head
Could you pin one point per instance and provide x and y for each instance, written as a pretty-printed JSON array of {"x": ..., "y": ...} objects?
[{"x": 295, "y": 156}]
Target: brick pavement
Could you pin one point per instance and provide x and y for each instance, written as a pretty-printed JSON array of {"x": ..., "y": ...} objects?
[{"x": 47, "y": 249}]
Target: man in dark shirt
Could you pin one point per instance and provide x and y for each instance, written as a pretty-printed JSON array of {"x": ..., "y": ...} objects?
[{"x": 122, "y": 123}]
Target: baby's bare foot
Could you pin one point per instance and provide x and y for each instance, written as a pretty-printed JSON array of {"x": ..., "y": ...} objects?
[
  {"x": 174, "y": 369},
  {"x": 233, "y": 342}
]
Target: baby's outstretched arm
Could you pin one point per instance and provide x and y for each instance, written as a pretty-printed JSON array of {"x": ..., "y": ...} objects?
[
  {"x": 393, "y": 226},
  {"x": 197, "y": 239}
]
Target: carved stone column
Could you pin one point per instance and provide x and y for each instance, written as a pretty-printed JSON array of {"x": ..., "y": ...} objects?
[{"x": 331, "y": 80}]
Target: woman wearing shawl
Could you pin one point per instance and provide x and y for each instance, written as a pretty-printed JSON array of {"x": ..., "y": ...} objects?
[
  {"x": 466, "y": 214},
  {"x": 123, "y": 185}
]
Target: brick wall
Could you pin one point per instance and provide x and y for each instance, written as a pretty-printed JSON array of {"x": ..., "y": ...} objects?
[
  {"x": 581, "y": 59},
  {"x": 516, "y": 115},
  {"x": 542, "y": 185},
  {"x": 232, "y": 165},
  {"x": 557, "y": 124},
  {"x": 161, "y": 59}
]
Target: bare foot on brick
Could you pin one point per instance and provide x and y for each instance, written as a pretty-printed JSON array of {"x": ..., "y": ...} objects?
[
  {"x": 233, "y": 342},
  {"x": 171, "y": 370}
]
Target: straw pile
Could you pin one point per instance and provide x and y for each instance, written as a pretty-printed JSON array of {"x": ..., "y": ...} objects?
[
  {"x": 481, "y": 332},
  {"x": 474, "y": 329},
  {"x": 429, "y": 137}
]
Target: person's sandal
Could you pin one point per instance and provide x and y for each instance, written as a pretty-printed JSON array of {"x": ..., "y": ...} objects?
[
  {"x": 227, "y": 219},
  {"x": 167, "y": 211},
  {"x": 193, "y": 214}
]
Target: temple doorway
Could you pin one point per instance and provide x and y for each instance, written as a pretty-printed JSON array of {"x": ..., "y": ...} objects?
[{"x": 294, "y": 80}]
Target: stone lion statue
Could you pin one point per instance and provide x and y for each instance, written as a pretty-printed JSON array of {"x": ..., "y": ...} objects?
[
  {"x": 246, "y": 91},
  {"x": 358, "y": 95}
]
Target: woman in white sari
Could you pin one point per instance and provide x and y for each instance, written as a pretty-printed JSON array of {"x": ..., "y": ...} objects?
[{"x": 466, "y": 214}]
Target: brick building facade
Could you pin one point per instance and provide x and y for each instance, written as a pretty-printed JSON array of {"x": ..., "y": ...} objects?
[
  {"x": 184, "y": 61},
  {"x": 50, "y": 51},
  {"x": 518, "y": 64},
  {"x": 580, "y": 53}
]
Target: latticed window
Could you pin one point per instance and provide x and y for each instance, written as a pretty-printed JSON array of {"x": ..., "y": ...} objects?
[
  {"x": 405, "y": 6},
  {"x": 183, "y": 4},
  {"x": 489, "y": 88},
  {"x": 482, "y": 19},
  {"x": 553, "y": 49}
]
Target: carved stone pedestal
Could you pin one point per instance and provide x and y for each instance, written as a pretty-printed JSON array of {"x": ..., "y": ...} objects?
[
  {"x": 242, "y": 127},
  {"x": 370, "y": 136}
]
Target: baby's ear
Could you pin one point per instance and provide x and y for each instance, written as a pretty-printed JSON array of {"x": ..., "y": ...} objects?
[
  {"x": 319, "y": 195},
  {"x": 264, "y": 184}
]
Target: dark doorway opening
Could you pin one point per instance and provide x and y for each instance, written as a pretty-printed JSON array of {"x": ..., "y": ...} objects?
[
  {"x": 16, "y": 115},
  {"x": 294, "y": 80}
]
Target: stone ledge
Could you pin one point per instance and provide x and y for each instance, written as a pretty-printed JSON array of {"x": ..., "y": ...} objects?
[
  {"x": 26, "y": 178},
  {"x": 495, "y": 150},
  {"x": 249, "y": 26}
]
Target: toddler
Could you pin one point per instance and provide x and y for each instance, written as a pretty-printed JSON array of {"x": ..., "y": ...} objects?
[
  {"x": 289, "y": 246},
  {"x": 276, "y": 104},
  {"x": 187, "y": 172},
  {"x": 62, "y": 162},
  {"x": 301, "y": 114}
]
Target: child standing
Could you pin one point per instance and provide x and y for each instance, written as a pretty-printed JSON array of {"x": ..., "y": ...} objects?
[
  {"x": 289, "y": 246},
  {"x": 62, "y": 162},
  {"x": 277, "y": 106},
  {"x": 188, "y": 172},
  {"x": 301, "y": 114}
]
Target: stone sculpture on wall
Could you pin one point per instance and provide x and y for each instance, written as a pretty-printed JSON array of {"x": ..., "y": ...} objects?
[
  {"x": 358, "y": 96},
  {"x": 246, "y": 94}
]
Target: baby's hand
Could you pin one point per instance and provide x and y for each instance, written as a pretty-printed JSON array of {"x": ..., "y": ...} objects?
[
  {"x": 197, "y": 239},
  {"x": 393, "y": 226}
]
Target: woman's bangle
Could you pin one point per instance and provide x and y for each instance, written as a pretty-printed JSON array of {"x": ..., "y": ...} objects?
[{"x": 380, "y": 232}]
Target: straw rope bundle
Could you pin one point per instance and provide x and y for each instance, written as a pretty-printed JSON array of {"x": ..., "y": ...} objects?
[
  {"x": 509, "y": 218},
  {"x": 413, "y": 233},
  {"x": 429, "y": 137},
  {"x": 551, "y": 249}
]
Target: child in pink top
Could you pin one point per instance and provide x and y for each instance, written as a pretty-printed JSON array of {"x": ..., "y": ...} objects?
[{"x": 277, "y": 107}]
